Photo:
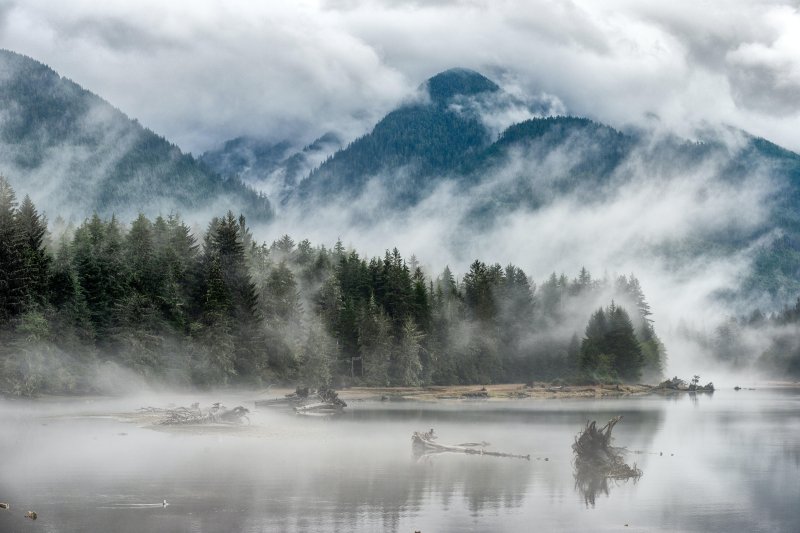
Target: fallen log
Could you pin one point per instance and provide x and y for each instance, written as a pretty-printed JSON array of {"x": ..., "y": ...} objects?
[
  {"x": 304, "y": 399},
  {"x": 216, "y": 414},
  {"x": 483, "y": 393},
  {"x": 422, "y": 443},
  {"x": 319, "y": 407},
  {"x": 272, "y": 402},
  {"x": 234, "y": 416}
]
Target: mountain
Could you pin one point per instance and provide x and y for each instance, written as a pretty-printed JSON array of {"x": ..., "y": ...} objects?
[
  {"x": 431, "y": 137},
  {"x": 273, "y": 168},
  {"x": 495, "y": 154},
  {"x": 74, "y": 153},
  {"x": 458, "y": 82},
  {"x": 446, "y": 138},
  {"x": 422, "y": 137}
]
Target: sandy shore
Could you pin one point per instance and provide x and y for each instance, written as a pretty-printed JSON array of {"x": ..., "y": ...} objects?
[{"x": 509, "y": 391}]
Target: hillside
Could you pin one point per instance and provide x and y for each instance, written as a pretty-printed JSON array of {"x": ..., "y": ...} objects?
[
  {"x": 541, "y": 161},
  {"x": 73, "y": 150}
]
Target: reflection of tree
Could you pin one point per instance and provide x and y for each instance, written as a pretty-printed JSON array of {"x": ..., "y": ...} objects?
[
  {"x": 597, "y": 461},
  {"x": 589, "y": 484}
]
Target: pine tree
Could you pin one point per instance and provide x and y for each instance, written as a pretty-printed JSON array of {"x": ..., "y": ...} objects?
[
  {"x": 140, "y": 257},
  {"x": 315, "y": 358},
  {"x": 280, "y": 297},
  {"x": 36, "y": 260},
  {"x": 12, "y": 261},
  {"x": 225, "y": 241},
  {"x": 375, "y": 344},
  {"x": 101, "y": 270},
  {"x": 420, "y": 304},
  {"x": 610, "y": 348},
  {"x": 408, "y": 367},
  {"x": 623, "y": 344}
]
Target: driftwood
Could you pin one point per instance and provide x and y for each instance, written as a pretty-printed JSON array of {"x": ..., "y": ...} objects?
[
  {"x": 298, "y": 397},
  {"x": 679, "y": 385},
  {"x": 216, "y": 414},
  {"x": 483, "y": 393},
  {"x": 423, "y": 443},
  {"x": 306, "y": 401},
  {"x": 597, "y": 461}
]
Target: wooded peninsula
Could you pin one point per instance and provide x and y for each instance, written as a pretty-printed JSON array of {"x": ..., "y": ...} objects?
[{"x": 152, "y": 298}]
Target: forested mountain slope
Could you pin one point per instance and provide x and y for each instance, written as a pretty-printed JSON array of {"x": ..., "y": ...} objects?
[{"x": 72, "y": 149}]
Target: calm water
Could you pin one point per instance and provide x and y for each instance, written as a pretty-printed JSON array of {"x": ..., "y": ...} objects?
[{"x": 730, "y": 462}]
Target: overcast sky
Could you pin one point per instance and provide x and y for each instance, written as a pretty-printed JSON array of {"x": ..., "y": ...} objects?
[{"x": 203, "y": 71}]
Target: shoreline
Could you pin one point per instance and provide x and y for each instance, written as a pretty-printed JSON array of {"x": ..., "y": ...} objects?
[
  {"x": 508, "y": 391},
  {"x": 433, "y": 393},
  {"x": 497, "y": 392}
]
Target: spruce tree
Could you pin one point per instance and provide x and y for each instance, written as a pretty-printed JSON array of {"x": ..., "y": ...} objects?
[
  {"x": 36, "y": 260},
  {"x": 12, "y": 260}
]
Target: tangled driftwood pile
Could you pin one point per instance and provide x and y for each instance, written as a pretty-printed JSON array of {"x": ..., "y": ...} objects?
[
  {"x": 679, "y": 385},
  {"x": 216, "y": 414},
  {"x": 593, "y": 452},
  {"x": 597, "y": 461},
  {"x": 307, "y": 401},
  {"x": 423, "y": 443}
]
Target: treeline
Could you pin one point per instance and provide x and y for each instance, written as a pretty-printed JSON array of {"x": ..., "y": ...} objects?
[{"x": 153, "y": 299}]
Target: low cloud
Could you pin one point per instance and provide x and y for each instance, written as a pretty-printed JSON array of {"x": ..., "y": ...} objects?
[
  {"x": 205, "y": 71},
  {"x": 639, "y": 223}
]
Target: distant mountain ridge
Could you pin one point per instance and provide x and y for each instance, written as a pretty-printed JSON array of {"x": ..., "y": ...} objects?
[
  {"x": 274, "y": 168},
  {"x": 71, "y": 150},
  {"x": 446, "y": 138},
  {"x": 74, "y": 153},
  {"x": 536, "y": 161}
]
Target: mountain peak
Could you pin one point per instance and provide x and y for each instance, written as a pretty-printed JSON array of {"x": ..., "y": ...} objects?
[{"x": 458, "y": 82}]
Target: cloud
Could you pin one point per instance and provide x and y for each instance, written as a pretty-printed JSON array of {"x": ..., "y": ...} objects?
[
  {"x": 206, "y": 71},
  {"x": 766, "y": 75},
  {"x": 646, "y": 220}
]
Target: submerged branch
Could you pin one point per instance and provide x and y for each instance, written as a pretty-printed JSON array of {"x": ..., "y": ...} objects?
[{"x": 422, "y": 443}]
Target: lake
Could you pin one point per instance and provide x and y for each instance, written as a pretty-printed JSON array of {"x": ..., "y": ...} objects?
[{"x": 723, "y": 462}]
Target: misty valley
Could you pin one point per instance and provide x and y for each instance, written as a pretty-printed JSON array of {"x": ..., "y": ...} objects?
[
  {"x": 128, "y": 311},
  {"x": 427, "y": 316}
]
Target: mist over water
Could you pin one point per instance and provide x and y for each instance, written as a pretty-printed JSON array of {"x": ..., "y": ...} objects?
[
  {"x": 710, "y": 463},
  {"x": 605, "y": 210}
]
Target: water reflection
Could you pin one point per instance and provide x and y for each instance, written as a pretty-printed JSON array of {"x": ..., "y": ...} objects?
[
  {"x": 591, "y": 484},
  {"x": 730, "y": 464}
]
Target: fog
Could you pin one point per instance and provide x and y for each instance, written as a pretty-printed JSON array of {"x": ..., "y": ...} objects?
[
  {"x": 97, "y": 464},
  {"x": 296, "y": 72},
  {"x": 646, "y": 220}
]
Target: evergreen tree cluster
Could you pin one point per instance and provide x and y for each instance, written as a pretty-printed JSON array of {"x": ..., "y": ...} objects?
[
  {"x": 610, "y": 348},
  {"x": 151, "y": 298}
]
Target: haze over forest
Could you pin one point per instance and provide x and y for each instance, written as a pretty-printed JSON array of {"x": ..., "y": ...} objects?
[{"x": 397, "y": 216}]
